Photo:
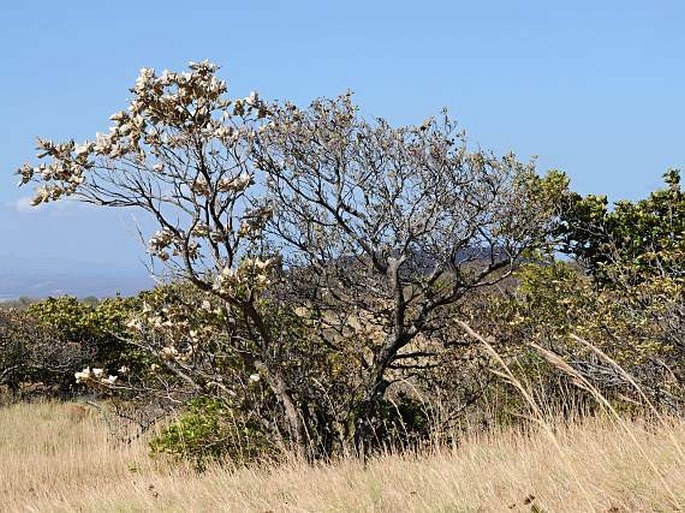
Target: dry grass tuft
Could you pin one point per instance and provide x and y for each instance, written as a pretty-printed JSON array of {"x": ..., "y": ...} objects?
[{"x": 59, "y": 457}]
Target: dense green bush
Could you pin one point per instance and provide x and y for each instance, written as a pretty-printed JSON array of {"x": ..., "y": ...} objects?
[
  {"x": 36, "y": 358},
  {"x": 44, "y": 343},
  {"x": 97, "y": 327},
  {"x": 634, "y": 241},
  {"x": 213, "y": 430}
]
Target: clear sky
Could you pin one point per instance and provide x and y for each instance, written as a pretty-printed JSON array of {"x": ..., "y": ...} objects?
[{"x": 592, "y": 87}]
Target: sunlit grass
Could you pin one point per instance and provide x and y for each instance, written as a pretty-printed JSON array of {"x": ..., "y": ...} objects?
[{"x": 59, "y": 457}]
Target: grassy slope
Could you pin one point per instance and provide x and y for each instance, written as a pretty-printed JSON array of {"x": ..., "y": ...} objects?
[{"x": 55, "y": 458}]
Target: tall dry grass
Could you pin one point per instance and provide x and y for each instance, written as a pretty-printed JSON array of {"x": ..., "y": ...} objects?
[{"x": 60, "y": 457}]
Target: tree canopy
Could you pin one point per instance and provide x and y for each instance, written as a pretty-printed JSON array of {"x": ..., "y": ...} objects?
[{"x": 306, "y": 232}]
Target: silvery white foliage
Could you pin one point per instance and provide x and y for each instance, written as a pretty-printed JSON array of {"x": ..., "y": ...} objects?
[
  {"x": 180, "y": 151},
  {"x": 390, "y": 225},
  {"x": 95, "y": 376}
]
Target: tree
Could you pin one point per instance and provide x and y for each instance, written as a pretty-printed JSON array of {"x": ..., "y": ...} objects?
[
  {"x": 181, "y": 152},
  {"x": 48, "y": 341},
  {"x": 635, "y": 255},
  {"x": 396, "y": 223},
  {"x": 32, "y": 353},
  {"x": 94, "y": 326},
  {"x": 642, "y": 239},
  {"x": 296, "y": 221}
]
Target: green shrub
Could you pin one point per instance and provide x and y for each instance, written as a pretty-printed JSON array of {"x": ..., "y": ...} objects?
[{"x": 211, "y": 430}]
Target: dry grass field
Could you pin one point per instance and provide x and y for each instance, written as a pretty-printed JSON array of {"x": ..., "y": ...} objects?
[{"x": 60, "y": 457}]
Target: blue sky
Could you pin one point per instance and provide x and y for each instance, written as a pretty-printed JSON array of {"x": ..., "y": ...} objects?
[{"x": 593, "y": 88}]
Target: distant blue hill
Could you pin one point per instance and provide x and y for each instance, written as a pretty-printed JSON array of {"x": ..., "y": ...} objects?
[
  {"x": 38, "y": 286},
  {"x": 43, "y": 279}
]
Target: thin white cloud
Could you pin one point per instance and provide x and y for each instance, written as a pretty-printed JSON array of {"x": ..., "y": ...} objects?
[{"x": 23, "y": 206}]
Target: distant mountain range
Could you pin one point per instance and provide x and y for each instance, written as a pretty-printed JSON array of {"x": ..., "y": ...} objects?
[
  {"x": 43, "y": 279},
  {"x": 37, "y": 286}
]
